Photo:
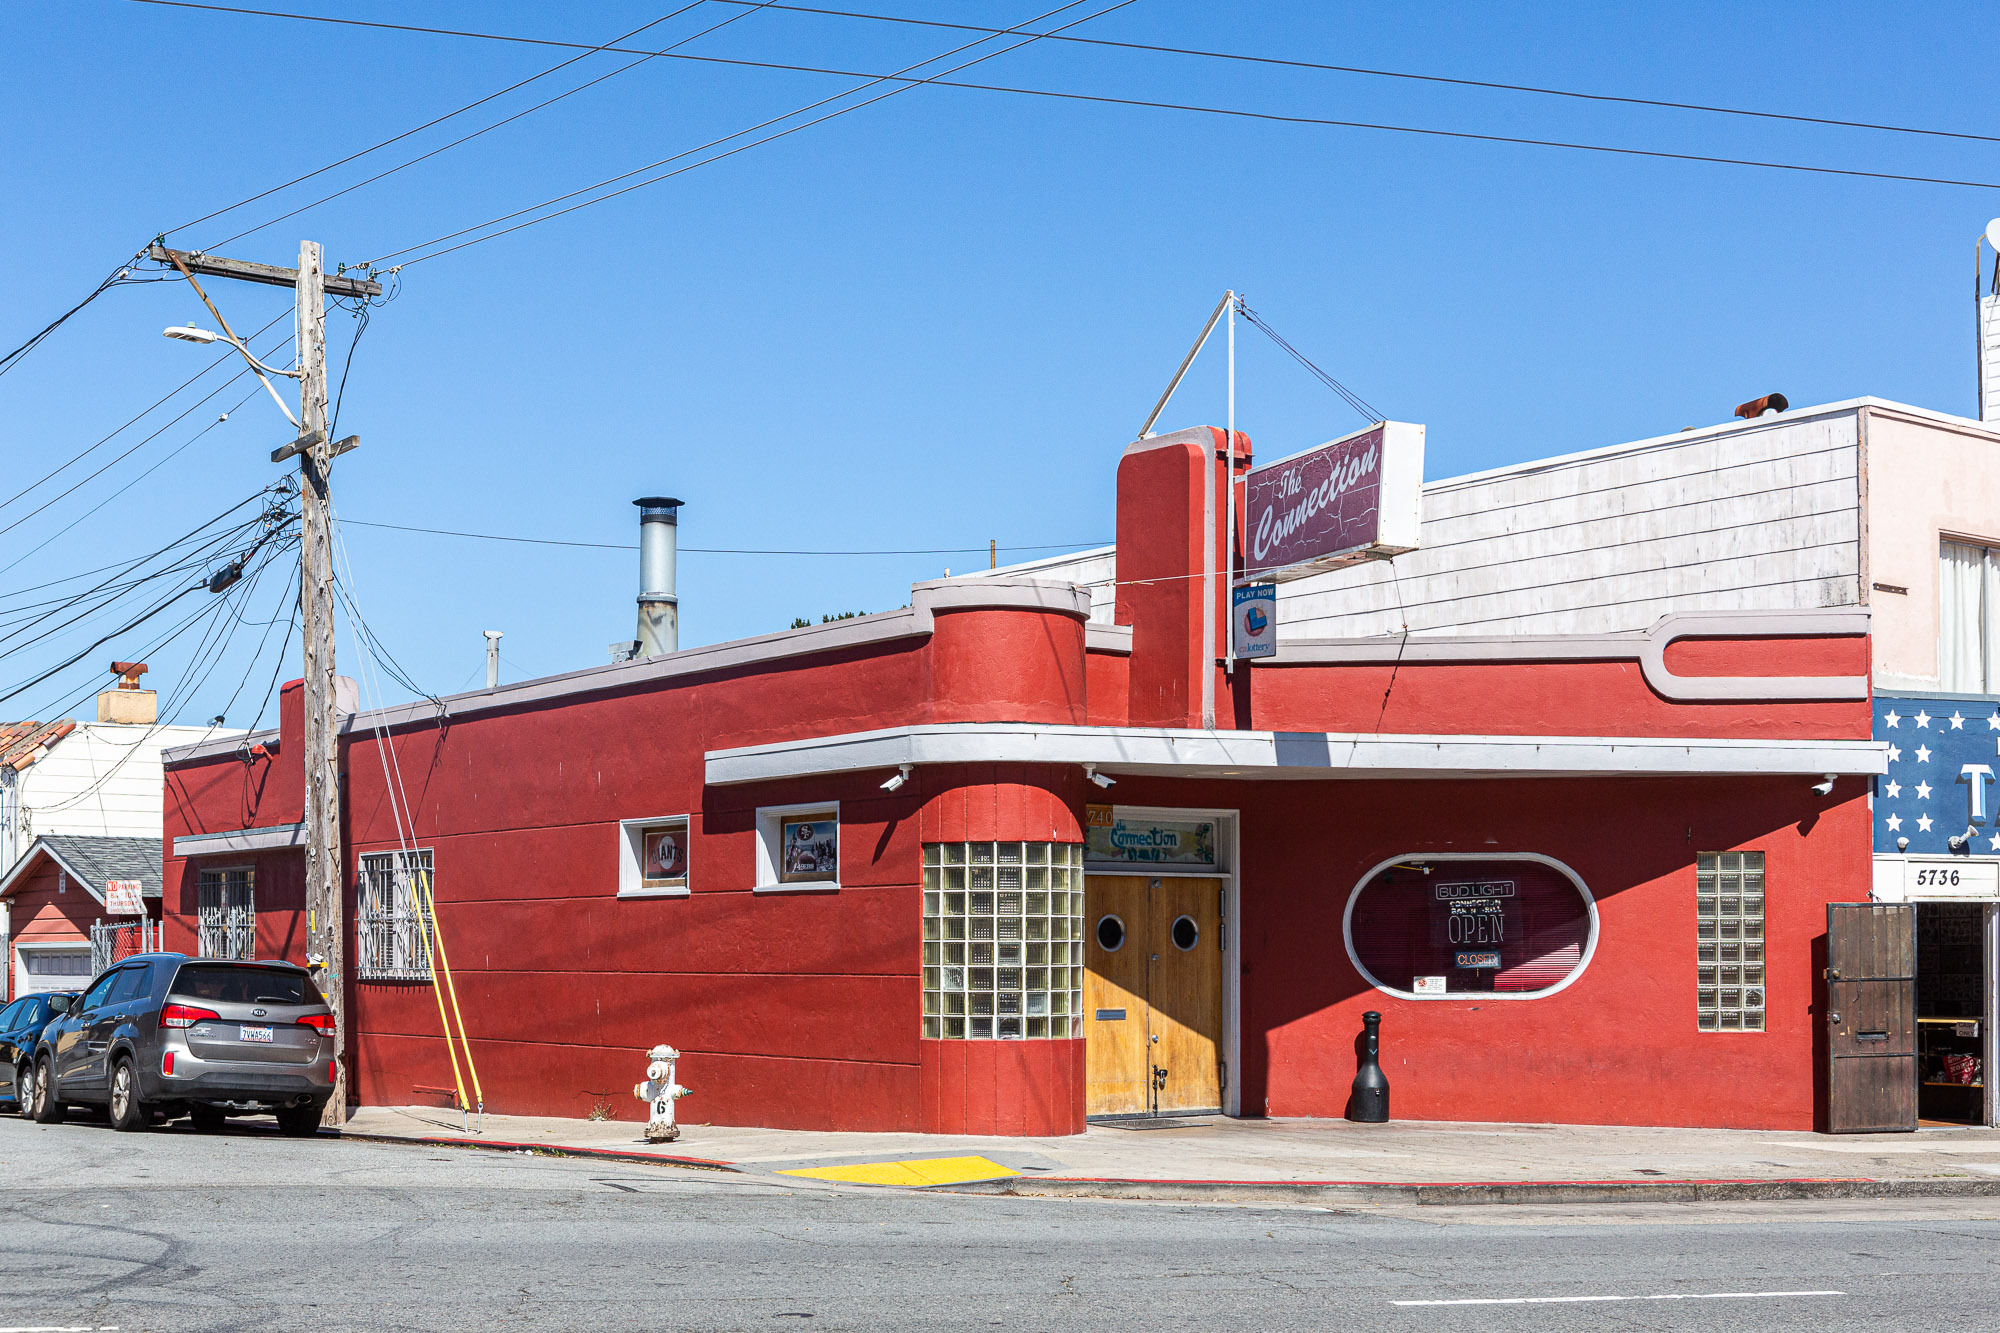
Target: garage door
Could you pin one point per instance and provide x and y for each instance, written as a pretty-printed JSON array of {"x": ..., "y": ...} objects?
[{"x": 39, "y": 970}]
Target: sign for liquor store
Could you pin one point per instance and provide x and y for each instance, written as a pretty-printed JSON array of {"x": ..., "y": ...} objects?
[{"x": 1355, "y": 498}]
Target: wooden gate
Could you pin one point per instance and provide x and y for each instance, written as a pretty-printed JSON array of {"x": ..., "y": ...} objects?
[{"x": 1871, "y": 1017}]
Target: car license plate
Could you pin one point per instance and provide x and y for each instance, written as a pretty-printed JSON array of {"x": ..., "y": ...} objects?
[{"x": 254, "y": 1034}]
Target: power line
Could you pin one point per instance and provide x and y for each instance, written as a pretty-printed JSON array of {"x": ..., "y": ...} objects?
[
  {"x": 119, "y": 278},
  {"x": 351, "y": 157},
  {"x": 200, "y": 556},
  {"x": 74, "y": 459},
  {"x": 1234, "y": 112},
  {"x": 445, "y": 148},
  {"x": 171, "y": 455},
  {"x": 709, "y": 550},
  {"x": 1411, "y": 75},
  {"x": 897, "y": 77}
]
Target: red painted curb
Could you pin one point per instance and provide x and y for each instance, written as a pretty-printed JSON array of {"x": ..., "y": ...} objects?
[{"x": 545, "y": 1149}]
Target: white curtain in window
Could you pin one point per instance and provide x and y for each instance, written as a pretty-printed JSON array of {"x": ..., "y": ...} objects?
[{"x": 1969, "y": 623}]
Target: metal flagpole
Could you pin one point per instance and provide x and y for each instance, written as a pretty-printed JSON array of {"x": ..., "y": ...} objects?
[{"x": 1229, "y": 499}]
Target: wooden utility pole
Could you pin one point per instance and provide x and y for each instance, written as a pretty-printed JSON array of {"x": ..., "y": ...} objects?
[
  {"x": 326, "y": 938},
  {"x": 326, "y": 935}
]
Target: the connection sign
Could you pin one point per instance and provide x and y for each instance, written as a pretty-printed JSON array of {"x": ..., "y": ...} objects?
[{"x": 1351, "y": 499}]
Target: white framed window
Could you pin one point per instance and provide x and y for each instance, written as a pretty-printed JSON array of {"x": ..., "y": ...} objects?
[
  {"x": 226, "y": 899},
  {"x": 1969, "y": 618},
  {"x": 1003, "y": 940},
  {"x": 392, "y": 927},
  {"x": 653, "y": 857},
  {"x": 798, "y": 848},
  {"x": 1729, "y": 941}
]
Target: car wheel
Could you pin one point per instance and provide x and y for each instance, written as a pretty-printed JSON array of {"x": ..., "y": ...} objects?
[
  {"x": 300, "y": 1122},
  {"x": 48, "y": 1111},
  {"x": 207, "y": 1119},
  {"x": 24, "y": 1091},
  {"x": 127, "y": 1111}
]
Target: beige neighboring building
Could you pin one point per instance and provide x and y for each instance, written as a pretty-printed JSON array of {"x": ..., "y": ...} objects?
[{"x": 76, "y": 779}]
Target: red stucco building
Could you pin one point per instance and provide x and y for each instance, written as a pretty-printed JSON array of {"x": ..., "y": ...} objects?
[{"x": 1583, "y": 876}]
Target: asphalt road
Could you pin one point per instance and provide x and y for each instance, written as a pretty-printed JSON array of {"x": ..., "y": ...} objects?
[{"x": 173, "y": 1230}]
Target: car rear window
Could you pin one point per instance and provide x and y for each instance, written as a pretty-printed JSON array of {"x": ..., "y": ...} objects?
[{"x": 245, "y": 985}]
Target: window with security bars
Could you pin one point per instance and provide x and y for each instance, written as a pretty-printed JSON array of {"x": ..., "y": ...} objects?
[
  {"x": 227, "y": 903},
  {"x": 1003, "y": 940},
  {"x": 1729, "y": 941},
  {"x": 393, "y": 923}
]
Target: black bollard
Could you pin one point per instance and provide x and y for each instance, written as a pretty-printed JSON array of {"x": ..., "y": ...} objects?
[{"x": 1368, "y": 1103}]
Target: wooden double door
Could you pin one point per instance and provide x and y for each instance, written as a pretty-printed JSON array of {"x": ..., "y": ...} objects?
[{"x": 1152, "y": 994}]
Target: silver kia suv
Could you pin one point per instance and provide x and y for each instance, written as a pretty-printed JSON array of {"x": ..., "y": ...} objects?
[{"x": 163, "y": 1035}]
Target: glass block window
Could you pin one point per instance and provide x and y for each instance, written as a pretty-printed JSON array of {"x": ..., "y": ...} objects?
[
  {"x": 1729, "y": 941},
  {"x": 1003, "y": 940}
]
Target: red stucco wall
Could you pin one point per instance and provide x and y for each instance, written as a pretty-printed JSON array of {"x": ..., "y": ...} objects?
[{"x": 1617, "y": 1046}]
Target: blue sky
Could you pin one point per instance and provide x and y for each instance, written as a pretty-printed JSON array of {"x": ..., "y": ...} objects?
[{"x": 935, "y": 321}]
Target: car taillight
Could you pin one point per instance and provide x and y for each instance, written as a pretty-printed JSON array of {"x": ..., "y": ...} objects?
[
  {"x": 320, "y": 1023},
  {"x": 167, "y": 1063},
  {"x": 332, "y": 1070},
  {"x": 184, "y": 1015}
]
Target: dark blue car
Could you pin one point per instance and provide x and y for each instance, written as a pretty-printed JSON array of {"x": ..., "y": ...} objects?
[{"x": 21, "y": 1025}]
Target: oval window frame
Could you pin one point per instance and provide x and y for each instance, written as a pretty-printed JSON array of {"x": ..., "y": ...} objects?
[
  {"x": 1097, "y": 932},
  {"x": 1196, "y": 925},
  {"x": 1483, "y": 997}
]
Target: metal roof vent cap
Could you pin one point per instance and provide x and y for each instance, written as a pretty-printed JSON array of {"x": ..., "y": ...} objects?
[{"x": 1769, "y": 405}]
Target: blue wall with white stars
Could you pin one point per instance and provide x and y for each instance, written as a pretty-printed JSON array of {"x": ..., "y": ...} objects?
[{"x": 1944, "y": 774}]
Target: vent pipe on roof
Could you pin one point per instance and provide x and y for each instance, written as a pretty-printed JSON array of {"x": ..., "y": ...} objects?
[
  {"x": 659, "y": 609},
  {"x": 1765, "y": 406}
]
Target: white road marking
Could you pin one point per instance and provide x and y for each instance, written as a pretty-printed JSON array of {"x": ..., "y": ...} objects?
[
  {"x": 1904, "y": 1145},
  {"x": 1574, "y": 1300}
]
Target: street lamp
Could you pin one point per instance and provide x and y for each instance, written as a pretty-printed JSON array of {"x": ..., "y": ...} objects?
[{"x": 188, "y": 334}]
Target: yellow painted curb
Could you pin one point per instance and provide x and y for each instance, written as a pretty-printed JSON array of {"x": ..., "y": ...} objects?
[{"x": 918, "y": 1172}]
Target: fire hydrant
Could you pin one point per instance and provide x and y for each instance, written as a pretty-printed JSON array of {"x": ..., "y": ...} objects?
[{"x": 660, "y": 1092}]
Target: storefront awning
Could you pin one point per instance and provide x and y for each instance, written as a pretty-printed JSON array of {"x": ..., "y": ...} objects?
[{"x": 1165, "y": 752}]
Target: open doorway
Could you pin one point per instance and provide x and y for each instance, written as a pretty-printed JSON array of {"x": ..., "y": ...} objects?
[{"x": 1952, "y": 1017}]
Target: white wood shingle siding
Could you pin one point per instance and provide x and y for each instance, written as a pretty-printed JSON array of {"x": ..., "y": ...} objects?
[
  {"x": 103, "y": 779},
  {"x": 1764, "y": 515},
  {"x": 1751, "y": 515}
]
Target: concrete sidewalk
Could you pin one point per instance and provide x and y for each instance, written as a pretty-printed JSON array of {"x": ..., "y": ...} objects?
[{"x": 1302, "y": 1160}]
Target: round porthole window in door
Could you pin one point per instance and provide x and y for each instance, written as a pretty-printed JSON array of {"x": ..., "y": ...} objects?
[
  {"x": 1185, "y": 933},
  {"x": 1110, "y": 933}
]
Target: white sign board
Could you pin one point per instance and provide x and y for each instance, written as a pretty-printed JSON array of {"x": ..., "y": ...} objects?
[
  {"x": 1359, "y": 497},
  {"x": 122, "y": 898},
  {"x": 1915, "y": 879}
]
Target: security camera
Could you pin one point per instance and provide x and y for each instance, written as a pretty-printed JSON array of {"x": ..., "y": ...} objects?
[
  {"x": 1090, "y": 771},
  {"x": 902, "y": 776},
  {"x": 1825, "y": 788},
  {"x": 1963, "y": 840}
]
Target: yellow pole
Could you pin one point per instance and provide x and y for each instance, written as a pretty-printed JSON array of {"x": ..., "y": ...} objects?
[{"x": 478, "y": 1093}]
